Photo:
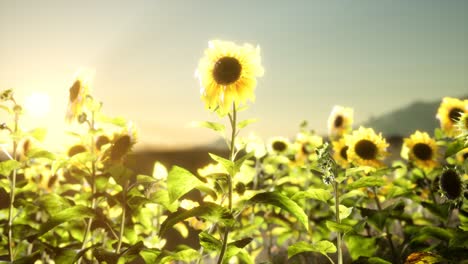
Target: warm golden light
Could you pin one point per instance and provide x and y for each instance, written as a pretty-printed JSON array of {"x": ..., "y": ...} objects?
[{"x": 37, "y": 104}]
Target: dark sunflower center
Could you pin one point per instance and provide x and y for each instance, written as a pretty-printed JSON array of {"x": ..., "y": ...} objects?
[
  {"x": 343, "y": 153},
  {"x": 451, "y": 184},
  {"x": 338, "y": 121},
  {"x": 422, "y": 151},
  {"x": 75, "y": 90},
  {"x": 366, "y": 149},
  {"x": 306, "y": 149},
  {"x": 279, "y": 146},
  {"x": 120, "y": 147},
  {"x": 227, "y": 70},
  {"x": 455, "y": 114}
]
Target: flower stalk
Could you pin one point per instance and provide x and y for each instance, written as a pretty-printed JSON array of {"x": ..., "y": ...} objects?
[{"x": 233, "y": 120}]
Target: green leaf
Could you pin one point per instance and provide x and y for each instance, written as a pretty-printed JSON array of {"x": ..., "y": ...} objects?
[
  {"x": 317, "y": 194},
  {"x": 41, "y": 153},
  {"x": 208, "y": 211},
  {"x": 69, "y": 214},
  {"x": 220, "y": 128},
  {"x": 322, "y": 247},
  {"x": 179, "y": 182},
  {"x": 245, "y": 123},
  {"x": 283, "y": 202},
  {"x": 227, "y": 164},
  {"x": 344, "y": 211},
  {"x": 29, "y": 259},
  {"x": 238, "y": 163},
  {"x": 162, "y": 197},
  {"x": 366, "y": 181},
  {"x": 53, "y": 203},
  {"x": 454, "y": 147},
  {"x": 7, "y": 166},
  {"x": 335, "y": 227},
  {"x": 39, "y": 134},
  {"x": 242, "y": 242},
  {"x": 150, "y": 255},
  {"x": 361, "y": 246},
  {"x": 209, "y": 242}
]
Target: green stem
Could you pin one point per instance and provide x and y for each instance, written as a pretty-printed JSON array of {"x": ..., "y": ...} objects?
[
  {"x": 338, "y": 221},
  {"x": 387, "y": 233},
  {"x": 231, "y": 157},
  {"x": 12, "y": 193},
  {"x": 122, "y": 222},
  {"x": 93, "y": 187}
]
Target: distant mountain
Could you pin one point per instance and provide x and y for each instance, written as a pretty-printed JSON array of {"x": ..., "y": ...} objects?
[{"x": 406, "y": 120}]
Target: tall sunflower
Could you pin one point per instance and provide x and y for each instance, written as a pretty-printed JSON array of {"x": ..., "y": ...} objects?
[
  {"x": 449, "y": 112},
  {"x": 422, "y": 150},
  {"x": 340, "y": 121},
  {"x": 340, "y": 152},
  {"x": 366, "y": 148},
  {"x": 227, "y": 75},
  {"x": 77, "y": 96}
]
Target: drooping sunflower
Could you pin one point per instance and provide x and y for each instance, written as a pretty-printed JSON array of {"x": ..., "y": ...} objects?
[
  {"x": 422, "y": 150},
  {"x": 366, "y": 148},
  {"x": 122, "y": 143},
  {"x": 227, "y": 75},
  {"x": 449, "y": 112},
  {"x": 340, "y": 121},
  {"x": 451, "y": 184},
  {"x": 77, "y": 96},
  {"x": 278, "y": 145},
  {"x": 340, "y": 150}
]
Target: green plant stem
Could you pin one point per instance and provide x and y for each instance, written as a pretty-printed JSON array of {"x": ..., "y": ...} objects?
[
  {"x": 12, "y": 193},
  {"x": 233, "y": 120},
  {"x": 122, "y": 221},
  {"x": 338, "y": 221},
  {"x": 387, "y": 234},
  {"x": 93, "y": 187}
]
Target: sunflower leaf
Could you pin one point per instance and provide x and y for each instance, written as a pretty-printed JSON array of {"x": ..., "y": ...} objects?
[
  {"x": 366, "y": 181},
  {"x": 179, "y": 182},
  {"x": 283, "y": 202},
  {"x": 208, "y": 211},
  {"x": 245, "y": 123},
  {"x": 322, "y": 247}
]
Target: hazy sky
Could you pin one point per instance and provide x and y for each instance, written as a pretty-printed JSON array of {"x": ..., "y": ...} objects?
[{"x": 374, "y": 56}]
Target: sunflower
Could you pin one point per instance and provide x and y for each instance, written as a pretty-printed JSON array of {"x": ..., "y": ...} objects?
[
  {"x": 451, "y": 184},
  {"x": 227, "y": 75},
  {"x": 305, "y": 146},
  {"x": 340, "y": 121},
  {"x": 340, "y": 150},
  {"x": 422, "y": 150},
  {"x": 462, "y": 155},
  {"x": 449, "y": 112},
  {"x": 278, "y": 146},
  {"x": 122, "y": 143},
  {"x": 77, "y": 97},
  {"x": 462, "y": 127},
  {"x": 366, "y": 148}
]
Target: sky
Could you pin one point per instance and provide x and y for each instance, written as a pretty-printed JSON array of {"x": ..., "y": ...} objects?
[{"x": 373, "y": 56}]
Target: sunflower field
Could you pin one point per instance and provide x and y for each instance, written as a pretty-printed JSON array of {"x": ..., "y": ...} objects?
[{"x": 343, "y": 198}]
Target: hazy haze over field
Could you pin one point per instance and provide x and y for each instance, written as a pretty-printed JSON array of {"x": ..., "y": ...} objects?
[{"x": 374, "y": 56}]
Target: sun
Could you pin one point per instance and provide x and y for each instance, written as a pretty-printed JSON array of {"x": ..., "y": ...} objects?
[{"x": 37, "y": 104}]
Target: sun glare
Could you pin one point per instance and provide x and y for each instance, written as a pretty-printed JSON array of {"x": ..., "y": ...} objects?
[{"x": 37, "y": 104}]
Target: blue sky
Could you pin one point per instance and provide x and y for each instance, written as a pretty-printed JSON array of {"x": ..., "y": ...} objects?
[{"x": 374, "y": 56}]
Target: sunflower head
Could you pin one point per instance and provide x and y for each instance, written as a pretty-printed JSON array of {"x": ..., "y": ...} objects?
[
  {"x": 422, "y": 150},
  {"x": 278, "y": 146},
  {"x": 340, "y": 121},
  {"x": 449, "y": 112},
  {"x": 305, "y": 146},
  {"x": 422, "y": 257},
  {"x": 462, "y": 156},
  {"x": 366, "y": 148},
  {"x": 451, "y": 184},
  {"x": 227, "y": 75},
  {"x": 340, "y": 150},
  {"x": 78, "y": 92}
]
